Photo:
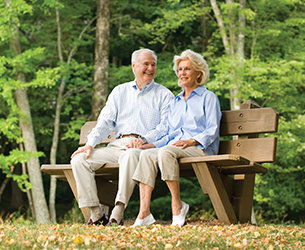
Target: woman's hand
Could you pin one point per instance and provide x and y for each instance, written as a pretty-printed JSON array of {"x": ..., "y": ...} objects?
[{"x": 184, "y": 143}]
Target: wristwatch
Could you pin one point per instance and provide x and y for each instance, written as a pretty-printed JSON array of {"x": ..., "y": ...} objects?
[
  {"x": 194, "y": 141},
  {"x": 142, "y": 138}
]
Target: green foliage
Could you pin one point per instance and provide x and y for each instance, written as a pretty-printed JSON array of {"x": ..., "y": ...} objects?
[
  {"x": 119, "y": 75},
  {"x": 175, "y": 16},
  {"x": 166, "y": 75},
  {"x": 9, "y": 14},
  {"x": 268, "y": 83},
  {"x": 12, "y": 159},
  {"x": 280, "y": 193},
  {"x": 74, "y": 128}
]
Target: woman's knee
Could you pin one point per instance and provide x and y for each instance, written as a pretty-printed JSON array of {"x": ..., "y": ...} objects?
[
  {"x": 166, "y": 152},
  {"x": 147, "y": 155}
]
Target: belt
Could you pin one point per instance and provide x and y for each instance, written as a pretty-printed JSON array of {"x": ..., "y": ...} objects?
[{"x": 130, "y": 135}]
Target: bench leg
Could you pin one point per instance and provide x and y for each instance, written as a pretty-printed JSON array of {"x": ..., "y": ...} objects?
[
  {"x": 71, "y": 180},
  {"x": 106, "y": 191},
  {"x": 243, "y": 190},
  {"x": 211, "y": 182}
]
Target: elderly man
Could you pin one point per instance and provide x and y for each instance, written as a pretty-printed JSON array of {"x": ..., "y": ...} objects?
[{"x": 138, "y": 111}]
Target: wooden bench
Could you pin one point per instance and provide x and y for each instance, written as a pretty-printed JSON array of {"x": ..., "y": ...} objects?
[{"x": 228, "y": 178}]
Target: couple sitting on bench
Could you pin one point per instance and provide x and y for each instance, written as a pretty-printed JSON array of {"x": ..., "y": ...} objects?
[{"x": 153, "y": 129}]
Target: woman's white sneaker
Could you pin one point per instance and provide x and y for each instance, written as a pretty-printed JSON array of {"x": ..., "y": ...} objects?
[
  {"x": 180, "y": 219},
  {"x": 145, "y": 222}
]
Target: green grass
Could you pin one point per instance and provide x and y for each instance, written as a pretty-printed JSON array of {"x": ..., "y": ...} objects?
[{"x": 28, "y": 235}]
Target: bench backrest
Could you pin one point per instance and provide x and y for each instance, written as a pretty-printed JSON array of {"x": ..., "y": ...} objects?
[{"x": 239, "y": 131}]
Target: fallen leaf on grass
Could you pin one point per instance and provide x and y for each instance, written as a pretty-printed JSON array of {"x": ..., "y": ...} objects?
[
  {"x": 78, "y": 240},
  {"x": 169, "y": 246}
]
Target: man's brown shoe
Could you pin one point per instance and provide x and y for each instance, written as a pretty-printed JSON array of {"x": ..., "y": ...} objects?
[
  {"x": 103, "y": 220},
  {"x": 113, "y": 222}
]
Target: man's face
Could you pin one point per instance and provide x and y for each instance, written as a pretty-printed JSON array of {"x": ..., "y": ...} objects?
[{"x": 145, "y": 69}]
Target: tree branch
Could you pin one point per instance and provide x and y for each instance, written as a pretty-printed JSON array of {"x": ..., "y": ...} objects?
[{"x": 79, "y": 38}]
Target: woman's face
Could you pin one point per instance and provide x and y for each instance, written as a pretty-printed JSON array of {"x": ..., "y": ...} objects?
[{"x": 187, "y": 74}]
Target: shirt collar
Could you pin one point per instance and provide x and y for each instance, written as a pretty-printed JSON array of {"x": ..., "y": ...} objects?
[
  {"x": 199, "y": 91},
  {"x": 146, "y": 87}
]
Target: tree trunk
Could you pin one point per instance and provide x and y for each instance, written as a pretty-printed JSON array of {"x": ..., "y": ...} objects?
[
  {"x": 100, "y": 84},
  {"x": 231, "y": 27},
  {"x": 239, "y": 55},
  {"x": 40, "y": 205},
  {"x": 204, "y": 21},
  {"x": 28, "y": 191},
  {"x": 241, "y": 33},
  {"x": 221, "y": 26},
  {"x": 53, "y": 152}
]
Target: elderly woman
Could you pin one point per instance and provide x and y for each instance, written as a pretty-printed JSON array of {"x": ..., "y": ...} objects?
[{"x": 193, "y": 130}]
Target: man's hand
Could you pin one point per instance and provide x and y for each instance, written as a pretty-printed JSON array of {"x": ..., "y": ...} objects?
[
  {"x": 135, "y": 143},
  {"x": 147, "y": 146},
  {"x": 86, "y": 149},
  {"x": 184, "y": 143}
]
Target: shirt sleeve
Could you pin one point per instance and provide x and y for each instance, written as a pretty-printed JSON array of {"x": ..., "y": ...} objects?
[
  {"x": 165, "y": 139},
  {"x": 161, "y": 128},
  {"x": 105, "y": 122},
  {"x": 162, "y": 142},
  {"x": 213, "y": 117}
]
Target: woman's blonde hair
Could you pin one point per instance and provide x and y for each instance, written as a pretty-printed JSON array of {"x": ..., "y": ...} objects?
[{"x": 198, "y": 63}]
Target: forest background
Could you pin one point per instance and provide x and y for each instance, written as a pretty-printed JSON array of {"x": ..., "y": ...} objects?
[{"x": 60, "y": 59}]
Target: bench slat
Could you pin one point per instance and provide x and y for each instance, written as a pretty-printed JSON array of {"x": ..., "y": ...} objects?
[
  {"x": 248, "y": 169},
  {"x": 57, "y": 169},
  {"x": 217, "y": 160},
  {"x": 255, "y": 149},
  {"x": 249, "y": 121},
  {"x": 86, "y": 129}
]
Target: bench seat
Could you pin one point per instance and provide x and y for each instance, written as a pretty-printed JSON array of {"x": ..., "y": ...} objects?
[{"x": 227, "y": 164}]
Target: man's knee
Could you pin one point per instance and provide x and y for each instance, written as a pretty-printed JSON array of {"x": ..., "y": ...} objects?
[
  {"x": 132, "y": 152},
  {"x": 130, "y": 156},
  {"x": 77, "y": 159}
]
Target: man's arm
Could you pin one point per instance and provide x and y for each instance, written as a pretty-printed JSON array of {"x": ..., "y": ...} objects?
[{"x": 105, "y": 122}]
